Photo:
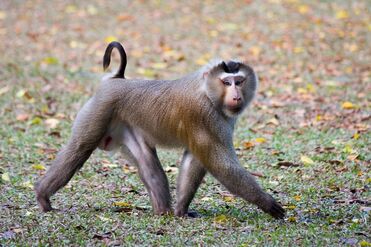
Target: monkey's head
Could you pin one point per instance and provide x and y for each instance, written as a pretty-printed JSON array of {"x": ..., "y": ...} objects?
[{"x": 230, "y": 86}]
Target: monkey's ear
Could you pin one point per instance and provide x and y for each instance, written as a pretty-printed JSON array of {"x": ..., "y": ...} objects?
[{"x": 204, "y": 75}]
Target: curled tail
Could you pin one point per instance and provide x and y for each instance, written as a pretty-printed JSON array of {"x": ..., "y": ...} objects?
[{"x": 107, "y": 58}]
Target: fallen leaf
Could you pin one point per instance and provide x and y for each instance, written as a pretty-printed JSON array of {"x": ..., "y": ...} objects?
[
  {"x": 303, "y": 9},
  {"x": 273, "y": 121},
  {"x": 291, "y": 219},
  {"x": 342, "y": 14},
  {"x": 221, "y": 219},
  {"x": 110, "y": 39},
  {"x": 5, "y": 177},
  {"x": 22, "y": 117},
  {"x": 348, "y": 105},
  {"x": 356, "y": 136},
  {"x": 248, "y": 145},
  {"x": 92, "y": 10},
  {"x": 260, "y": 140},
  {"x": 364, "y": 243},
  {"x": 297, "y": 198},
  {"x": 38, "y": 167},
  {"x": 51, "y": 123},
  {"x": 228, "y": 198},
  {"x": 27, "y": 184},
  {"x": 4, "y": 90},
  {"x": 306, "y": 160},
  {"x": 124, "y": 17},
  {"x": 36, "y": 121},
  {"x": 2, "y": 15},
  {"x": 122, "y": 204},
  {"x": 50, "y": 60}
]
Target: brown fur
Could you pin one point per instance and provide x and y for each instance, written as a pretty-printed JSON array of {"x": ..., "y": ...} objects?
[{"x": 139, "y": 115}]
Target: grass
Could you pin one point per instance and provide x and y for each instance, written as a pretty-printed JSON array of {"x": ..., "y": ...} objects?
[{"x": 311, "y": 57}]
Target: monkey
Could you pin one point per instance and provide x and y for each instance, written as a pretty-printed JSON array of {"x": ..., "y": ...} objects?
[{"x": 196, "y": 112}]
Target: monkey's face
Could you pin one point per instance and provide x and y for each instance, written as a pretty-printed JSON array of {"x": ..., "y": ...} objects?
[
  {"x": 233, "y": 98},
  {"x": 231, "y": 87}
]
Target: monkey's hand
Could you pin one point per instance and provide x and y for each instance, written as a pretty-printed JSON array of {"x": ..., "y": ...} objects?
[{"x": 272, "y": 207}]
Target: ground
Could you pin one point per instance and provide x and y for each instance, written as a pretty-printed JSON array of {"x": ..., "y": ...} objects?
[{"x": 306, "y": 137}]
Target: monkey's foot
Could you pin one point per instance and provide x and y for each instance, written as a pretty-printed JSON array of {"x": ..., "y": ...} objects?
[
  {"x": 44, "y": 204},
  {"x": 184, "y": 213},
  {"x": 273, "y": 208},
  {"x": 192, "y": 214}
]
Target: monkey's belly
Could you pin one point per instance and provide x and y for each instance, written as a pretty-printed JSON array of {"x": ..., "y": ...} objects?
[{"x": 120, "y": 134}]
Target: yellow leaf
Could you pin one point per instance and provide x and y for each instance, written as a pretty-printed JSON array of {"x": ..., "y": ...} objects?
[
  {"x": 213, "y": 33},
  {"x": 221, "y": 219},
  {"x": 92, "y": 10},
  {"x": 228, "y": 198},
  {"x": 70, "y": 9},
  {"x": 38, "y": 167},
  {"x": 290, "y": 207},
  {"x": 110, "y": 38},
  {"x": 306, "y": 160},
  {"x": 204, "y": 59},
  {"x": 291, "y": 219},
  {"x": 122, "y": 204},
  {"x": 353, "y": 47},
  {"x": 159, "y": 65},
  {"x": 348, "y": 149},
  {"x": 356, "y": 136},
  {"x": 5, "y": 177},
  {"x": 50, "y": 60},
  {"x": 2, "y": 15},
  {"x": 302, "y": 90},
  {"x": 298, "y": 49},
  {"x": 303, "y": 9},
  {"x": 149, "y": 73},
  {"x": 260, "y": 140},
  {"x": 36, "y": 121},
  {"x": 205, "y": 198},
  {"x": 342, "y": 14},
  {"x": 347, "y": 105},
  {"x": 297, "y": 198},
  {"x": 310, "y": 88},
  {"x": 364, "y": 243},
  {"x": 255, "y": 50}
]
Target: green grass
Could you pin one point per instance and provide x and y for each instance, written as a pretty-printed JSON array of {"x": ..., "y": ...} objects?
[{"x": 310, "y": 60}]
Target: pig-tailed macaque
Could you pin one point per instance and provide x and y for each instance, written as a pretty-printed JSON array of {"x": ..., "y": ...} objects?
[{"x": 197, "y": 112}]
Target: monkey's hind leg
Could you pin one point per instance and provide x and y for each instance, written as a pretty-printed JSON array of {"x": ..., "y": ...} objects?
[
  {"x": 189, "y": 179},
  {"x": 150, "y": 171},
  {"x": 85, "y": 138}
]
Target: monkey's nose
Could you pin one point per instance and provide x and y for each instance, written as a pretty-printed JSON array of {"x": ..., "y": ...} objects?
[{"x": 237, "y": 98}]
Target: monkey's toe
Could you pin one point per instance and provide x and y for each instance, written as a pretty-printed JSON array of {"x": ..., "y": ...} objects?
[
  {"x": 277, "y": 211},
  {"x": 192, "y": 214}
]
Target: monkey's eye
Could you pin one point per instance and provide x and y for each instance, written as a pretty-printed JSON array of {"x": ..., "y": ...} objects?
[
  {"x": 237, "y": 83},
  {"x": 227, "y": 83}
]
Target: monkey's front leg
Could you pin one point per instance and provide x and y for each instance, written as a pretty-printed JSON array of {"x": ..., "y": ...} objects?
[
  {"x": 190, "y": 177},
  {"x": 221, "y": 161}
]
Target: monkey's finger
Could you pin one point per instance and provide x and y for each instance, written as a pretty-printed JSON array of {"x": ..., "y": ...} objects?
[{"x": 276, "y": 211}]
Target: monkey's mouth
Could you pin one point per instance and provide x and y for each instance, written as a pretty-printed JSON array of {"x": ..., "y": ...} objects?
[{"x": 234, "y": 109}]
